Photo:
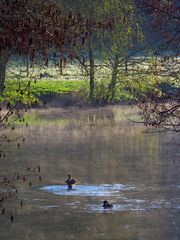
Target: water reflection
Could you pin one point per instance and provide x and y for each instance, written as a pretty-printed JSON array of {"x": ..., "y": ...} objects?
[{"x": 98, "y": 147}]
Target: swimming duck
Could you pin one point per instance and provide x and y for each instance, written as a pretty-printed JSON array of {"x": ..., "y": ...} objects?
[
  {"x": 70, "y": 181},
  {"x": 106, "y": 204}
]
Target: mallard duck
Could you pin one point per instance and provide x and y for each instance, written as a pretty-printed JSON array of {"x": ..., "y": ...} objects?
[
  {"x": 106, "y": 204},
  {"x": 70, "y": 181}
]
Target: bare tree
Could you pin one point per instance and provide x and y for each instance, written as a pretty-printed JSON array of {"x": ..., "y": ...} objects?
[{"x": 161, "y": 106}]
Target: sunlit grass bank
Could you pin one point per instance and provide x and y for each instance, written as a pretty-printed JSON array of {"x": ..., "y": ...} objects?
[
  {"x": 31, "y": 85},
  {"x": 29, "y": 90}
]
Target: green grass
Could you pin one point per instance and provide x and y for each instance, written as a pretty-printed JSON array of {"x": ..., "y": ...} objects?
[
  {"x": 29, "y": 91},
  {"x": 56, "y": 86}
]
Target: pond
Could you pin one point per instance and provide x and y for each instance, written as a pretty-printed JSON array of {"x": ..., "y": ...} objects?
[{"x": 111, "y": 158}]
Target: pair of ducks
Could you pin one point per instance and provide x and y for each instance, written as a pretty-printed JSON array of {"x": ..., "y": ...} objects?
[{"x": 70, "y": 181}]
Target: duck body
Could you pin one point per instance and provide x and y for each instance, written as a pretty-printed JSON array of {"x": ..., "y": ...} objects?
[
  {"x": 106, "y": 205},
  {"x": 70, "y": 181}
]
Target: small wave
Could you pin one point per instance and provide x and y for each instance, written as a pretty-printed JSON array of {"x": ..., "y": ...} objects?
[
  {"x": 133, "y": 206},
  {"x": 49, "y": 206},
  {"x": 88, "y": 190},
  {"x": 116, "y": 208}
]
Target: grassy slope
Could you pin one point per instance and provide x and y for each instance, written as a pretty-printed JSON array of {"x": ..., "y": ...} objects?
[
  {"x": 18, "y": 86},
  {"x": 32, "y": 90}
]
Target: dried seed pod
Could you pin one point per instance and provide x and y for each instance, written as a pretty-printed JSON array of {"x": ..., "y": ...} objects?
[
  {"x": 12, "y": 218},
  {"x": 3, "y": 211}
]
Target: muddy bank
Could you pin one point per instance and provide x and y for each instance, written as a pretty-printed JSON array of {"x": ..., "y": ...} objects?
[
  {"x": 73, "y": 99},
  {"x": 61, "y": 100}
]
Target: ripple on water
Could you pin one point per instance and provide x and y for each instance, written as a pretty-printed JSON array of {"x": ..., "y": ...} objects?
[
  {"x": 88, "y": 190},
  {"x": 117, "y": 194},
  {"x": 132, "y": 205},
  {"x": 116, "y": 208},
  {"x": 49, "y": 206}
]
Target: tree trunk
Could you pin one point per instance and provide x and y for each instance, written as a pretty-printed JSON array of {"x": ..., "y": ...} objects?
[
  {"x": 112, "y": 85},
  {"x": 91, "y": 72},
  {"x": 61, "y": 66},
  {"x": 4, "y": 56},
  {"x": 27, "y": 66},
  {"x": 126, "y": 66}
]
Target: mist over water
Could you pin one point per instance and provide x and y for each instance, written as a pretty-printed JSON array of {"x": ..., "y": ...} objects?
[{"x": 111, "y": 159}]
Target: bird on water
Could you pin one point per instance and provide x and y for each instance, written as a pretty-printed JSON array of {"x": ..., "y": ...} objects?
[
  {"x": 106, "y": 204},
  {"x": 70, "y": 181}
]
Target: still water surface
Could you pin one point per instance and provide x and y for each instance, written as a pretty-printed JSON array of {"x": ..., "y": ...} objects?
[{"x": 112, "y": 159}]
